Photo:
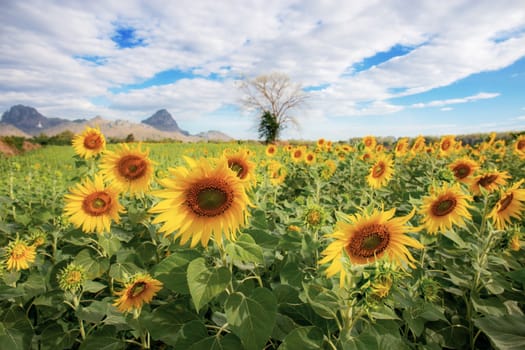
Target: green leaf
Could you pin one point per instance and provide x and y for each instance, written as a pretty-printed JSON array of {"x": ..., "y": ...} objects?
[
  {"x": 104, "y": 339},
  {"x": 109, "y": 243},
  {"x": 252, "y": 318},
  {"x": 506, "y": 332},
  {"x": 283, "y": 326},
  {"x": 123, "y": 271},
  {"x": 190, "y": 333},
  {"x": 206, "y": 283},
  {"x": 165, "y": 321},
  {"x": 95, "y": 267},
  {"x": 172, "y": 270},
  {"x": 7, "y": 292},
  {"x": 54, "y": 337},
  {"x": 304, "y": 338},
  {"x": 228, "y": 342},
  {"x": 489, "y": 307},
  {"x": 324, "y": 301},
  {"x": 245, "y": 250},
  {"x": 15, "y": 330},
  {"x": 93, "y": 286},
  {"x": 93, "y": 313}
]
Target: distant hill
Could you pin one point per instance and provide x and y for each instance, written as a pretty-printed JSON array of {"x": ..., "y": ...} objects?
[
  {"x": 28, "y": 119},
  {"x": 27, "y": 122},
  {"x": 11, "y": 130},
  {"x": 162, "y": 120},
  {"x": 214, "y": 135}
]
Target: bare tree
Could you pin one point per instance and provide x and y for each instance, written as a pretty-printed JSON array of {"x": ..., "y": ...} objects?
[{"x": 273, "y": 96}]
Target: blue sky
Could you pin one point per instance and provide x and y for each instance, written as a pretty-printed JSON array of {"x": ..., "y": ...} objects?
[{"x": 369, "y": 67}]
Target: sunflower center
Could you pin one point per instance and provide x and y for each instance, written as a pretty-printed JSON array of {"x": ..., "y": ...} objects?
[
  {"x": 443, "y": 207},
  {"x": 369, "y": 241},
  {"x": 210, "y": 197},
  {"x": 445, "y": 145},
  {"x": 74, "y": 277},
  {"x": 297, "y": 154},
  {"x": 93, "y": 141},
  {"x": 521, "y": 144},
  {"x": 18, "y": 251},
  {"x": 487, "y": 180},
  {"x": 237, "y": 168},
  {"x": 132, "y": 167},
  {"x": 461, "y": 171},
  {"x": 97, "y": 203},
  {"x": 137, "y": 289},
  {"x": 505, "y": 202},
  {"x": 379, "y": 169}
]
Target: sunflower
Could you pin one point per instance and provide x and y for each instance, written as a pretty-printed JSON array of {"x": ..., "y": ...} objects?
[
  {"x": 309, "y": 158},
  {"x": 510, "y": 205},
  {"x": 328, "y": 168},
  {"x": 490, "y": 181},
  {"x": 297, "y": 154},
  {"x": 515, "y": 244},
  {"x": 381, "y": 172},
  {"x": 519, "y": 146},
  {"x": 369, "y": 141},
  {"x": 72, "y": 277},
  {"x": 401, "y": 147},
  {"x": 20, "y": 254},
  {"x": 207, "y": 199},
  {"x": 419, "y": 145},
  {"x": 447, "y": 145},
  {"x": 271, "y": 150},
  {"x": 140, "y": 289},
  {"x": 277, "y": 173},
  {"x": 445, "y": 207},
  {"x": 321, "y": 143},
  {"x": 89, "y": 143},
  {"x": 129, "y": 169},
  {"x": 239, "y": 162},
  {"x": 463, "y": 169},
  {"x": 365, "y": 238},
  {"x": 91, "y": 205}
]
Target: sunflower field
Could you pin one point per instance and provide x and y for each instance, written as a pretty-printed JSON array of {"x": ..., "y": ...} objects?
[{"x": 239, "y": 245}]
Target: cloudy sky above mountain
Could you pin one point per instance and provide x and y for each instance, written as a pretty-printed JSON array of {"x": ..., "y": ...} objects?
[{"x": 370, "y": 67}]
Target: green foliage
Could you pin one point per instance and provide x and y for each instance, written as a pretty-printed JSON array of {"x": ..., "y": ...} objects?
[
  {"x": 266, "y": 289},
  {"x": 269, "y": 128}
]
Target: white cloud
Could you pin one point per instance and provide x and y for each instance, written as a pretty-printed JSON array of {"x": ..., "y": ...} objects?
[
  {"x": 453, "y": 101},
  {"x": 313, "y": 42},
  {"x": 446, "y": 109}
]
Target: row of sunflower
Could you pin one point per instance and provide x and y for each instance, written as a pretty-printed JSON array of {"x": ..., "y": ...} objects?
[{"x": 331, "y": 245}]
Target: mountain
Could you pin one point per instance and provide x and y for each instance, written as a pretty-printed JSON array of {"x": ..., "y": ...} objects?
[
  {"x": 120, "y": 129},
  {"x": 162, "y": 120},
  {"x": 29, "y": 120}
]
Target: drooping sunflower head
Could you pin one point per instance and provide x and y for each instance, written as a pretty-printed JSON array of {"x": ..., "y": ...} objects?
[
  {"x": 271, "y": 150},
  {"x": 490, "y": 181},
  {"x": 519, "y": 146},
  {"x": 369, "y": 142},
  {"x": 72, "y": 278},
  {"x": 444, "y": 207},
  {"x": 328, "y": 168},
  {"x": 89, "y": 143},
  {"x": 463, "y": 169},
  {"x": 510, "y": 205},
  {"x": 139, "y": 290},
  {"x": 239, "y": 162},
  {"x": 19, "y": 254},
  {"x": 419, "y": 145},
  {"x": 381, "y": 171},
  {"x": 401, "y": 147},
  {"x": 207, "y": 199},
  {"x": 129, "y": 169},
  {"x": 276, "y": 173},
  {"x": 92, "y": 205},
  {"x": 367, "y": 237}
]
